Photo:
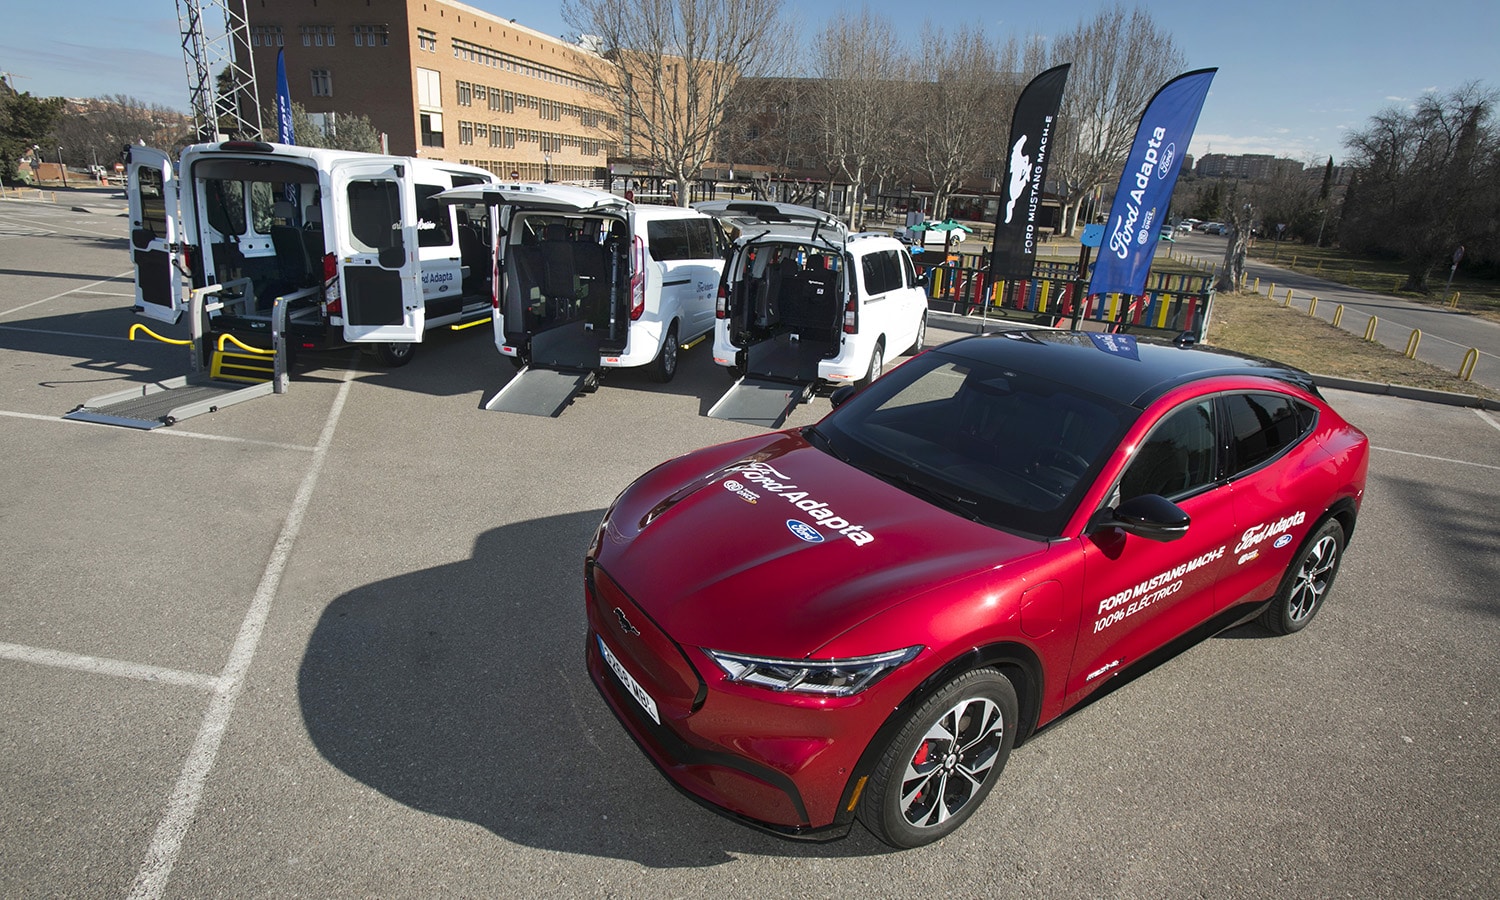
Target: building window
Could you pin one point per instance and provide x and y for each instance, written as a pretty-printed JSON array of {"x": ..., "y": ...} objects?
[
  {"x": 266, "y": 36},
  {"x": 465, "y": 96},
  {"x": 426, "y": 40},
  {"x": 432, "y": 129},
  {"x": 466, "y": 132},
  {"x": 429, "y": 89},
  {"x": 317, "y": 35},
  {"x": 379, "y": 36},
  {"x": 322, "y": 83}
]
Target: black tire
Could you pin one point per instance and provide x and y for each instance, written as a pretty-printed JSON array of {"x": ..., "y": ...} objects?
[
  {"x": 876, "y": 364},
  {"x": 916, "y": 796},
  {"x": 395, "y": 354},
  {"x": 664, "y": 367},
  {"x": 1307, "y": 581},
  {"x": 921, "y": 340}
]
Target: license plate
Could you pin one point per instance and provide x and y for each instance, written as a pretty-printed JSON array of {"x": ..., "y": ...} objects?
[{"x": 632, "y": 686}]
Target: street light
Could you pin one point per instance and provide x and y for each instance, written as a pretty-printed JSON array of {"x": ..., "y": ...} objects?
[
  {"x": 547, "y": 167},
  {"x": 62, "y": 168}
]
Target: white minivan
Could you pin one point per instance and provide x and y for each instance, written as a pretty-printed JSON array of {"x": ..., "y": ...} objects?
[
  {"x": 591, "y": 281},
  {"x": 355, "y": 244},
  {"x": 805, "y": 305}
]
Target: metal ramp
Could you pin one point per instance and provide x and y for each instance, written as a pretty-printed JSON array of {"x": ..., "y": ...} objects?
[
  {"x": 761, "y": 401},
  {"x": 541, "y": 392},
  {"x": 234, "y": 377}
]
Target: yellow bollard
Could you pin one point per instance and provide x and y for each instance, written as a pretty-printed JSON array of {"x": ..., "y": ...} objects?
[
  {"x": 1466, "y": 368},
  {"x": 1288, "y": 303},
  {"x": 1338, "y": 313},
  {"x": 1370, "y": 328},
  {"x": 1271, "y": 291},
  {"x": 1294, "y": 263},
  {"x": 1312, "y": 305},
  {"x": 1257, "y": 284},
  {"x": 1453, "y": 301},
  {"x": 1413, "y": 342}
]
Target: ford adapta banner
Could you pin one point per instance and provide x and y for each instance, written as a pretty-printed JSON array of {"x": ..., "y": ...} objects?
[
  {"x": 1135, "y": 219},
  {"x": 283, "y": 102},
  {"x": 1030, "y": 148}
]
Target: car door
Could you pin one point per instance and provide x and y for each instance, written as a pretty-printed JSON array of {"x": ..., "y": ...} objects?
[
  {"x": 377, "y": 261},
  {"x": 151, "y": 191},
  {"x": 883, "y": 304},
  {"x": 1279, "y": 488},
  {"x": 1141, "y": 593}
]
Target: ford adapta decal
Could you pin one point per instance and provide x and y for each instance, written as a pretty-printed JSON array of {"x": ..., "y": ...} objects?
[{"x": 768, "y": 479}]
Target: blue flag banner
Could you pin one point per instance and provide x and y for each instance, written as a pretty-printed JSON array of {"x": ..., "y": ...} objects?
[
  {"x": 283, "y": 102},
  {"x": 1141, "y": 200}
]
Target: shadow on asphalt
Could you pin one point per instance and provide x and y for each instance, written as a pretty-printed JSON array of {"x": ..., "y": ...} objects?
[{"x": 461, "y": 691}]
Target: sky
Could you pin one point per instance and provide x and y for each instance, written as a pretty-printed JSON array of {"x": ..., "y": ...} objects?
[{"x": 1294, "y": 75}]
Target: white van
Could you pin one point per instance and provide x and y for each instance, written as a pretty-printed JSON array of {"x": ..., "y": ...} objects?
[
  {"x": 592, "y": 281},
  {"x": 805, "y": 305},
  {"x": 355, "y": 243}
]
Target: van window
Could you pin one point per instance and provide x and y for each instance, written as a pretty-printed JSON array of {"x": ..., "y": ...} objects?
[
  {"x": 700, "y": 236},
  {"x": 153, "y": 206},
  {"x": 226, "y": 205},
  {"x": 432, "y": 218},
  {"x": 882, "y": 272},
  {"x": 374, "y": 214},
  {"x": 668, "y": 239}
]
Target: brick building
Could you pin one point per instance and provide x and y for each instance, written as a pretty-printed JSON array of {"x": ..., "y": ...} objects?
[{"x": 443, "y": 80}]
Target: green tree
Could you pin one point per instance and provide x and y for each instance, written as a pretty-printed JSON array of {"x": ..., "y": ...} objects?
[
  {"x": 340, "y": 131},
  {"x": 25, "y": 122}
]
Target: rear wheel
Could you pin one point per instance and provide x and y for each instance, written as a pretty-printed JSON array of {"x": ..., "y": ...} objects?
[
  {"x": 1307, "y": 580},
  {"x": 877, "y": 360},
  {"x": 942, "y": 762},
  {"x": 664, "y": 368},
  {"x": 394, "y": 354}
]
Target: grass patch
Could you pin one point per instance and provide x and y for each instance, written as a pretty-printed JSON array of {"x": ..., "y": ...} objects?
[
  {"x": 1478, "y": 296},
  {"x": 1252, "y": 324}
]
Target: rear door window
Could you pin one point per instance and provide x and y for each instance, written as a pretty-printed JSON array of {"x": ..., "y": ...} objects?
[
  {"x": 433, "y": 228},
  {"x": 1263, "y": 425}
]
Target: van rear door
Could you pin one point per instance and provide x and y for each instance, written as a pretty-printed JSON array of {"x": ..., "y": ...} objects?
[
  {"x": 379, "y": 280},
  {"x": 151, "y": 188}
]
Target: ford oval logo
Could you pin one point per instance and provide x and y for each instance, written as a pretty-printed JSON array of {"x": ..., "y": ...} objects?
[
  {"x": 804, "y": 531},
  {"x": 1282, "y": 541},
  {"x": 1168, "y": 156}
]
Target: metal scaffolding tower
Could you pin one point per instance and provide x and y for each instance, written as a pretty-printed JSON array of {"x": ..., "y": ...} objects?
[{"x": 220, "y": 68}]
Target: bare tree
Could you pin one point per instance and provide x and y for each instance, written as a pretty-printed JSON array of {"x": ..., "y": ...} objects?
[
  {"x": 857, "y": 61},
  {"x": 1119, "y": 60},
  {"x": 674, "y": 64},
  {"x": 961, "y": 90}
]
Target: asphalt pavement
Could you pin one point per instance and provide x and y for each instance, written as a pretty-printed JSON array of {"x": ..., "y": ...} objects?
[{"x": 330, "y": 644}]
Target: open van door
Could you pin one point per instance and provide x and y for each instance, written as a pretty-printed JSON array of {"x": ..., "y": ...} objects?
[
  {"x": 378, "y": 276},
  {"x": 151, "y": 189}
]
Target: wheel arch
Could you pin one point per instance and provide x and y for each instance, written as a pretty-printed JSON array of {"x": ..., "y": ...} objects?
[{"x": 1015, "y": 661}]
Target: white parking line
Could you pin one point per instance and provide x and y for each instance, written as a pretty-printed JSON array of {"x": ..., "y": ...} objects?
[
  {"x": 1488, "y": 418},
  {"x": 1461, "y": 462},
  {"x": 16, "y": 309},
  {"x": 74, "y": 334},
  {"x": 182, "y": 806},
  {"x": 117, "y": 668},
  {"x": 163, "y": 432}
]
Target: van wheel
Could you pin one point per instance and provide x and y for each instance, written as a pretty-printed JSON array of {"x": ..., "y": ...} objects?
[
  {"x": 921, "y": 340},
  {"x": 394, "y": 354},
  {"x": 664, "y": 368},
  {"x": 876, "y": 362}
]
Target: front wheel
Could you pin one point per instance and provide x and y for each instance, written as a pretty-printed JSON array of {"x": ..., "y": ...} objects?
[
  {"x": 877, "y": 362},
  {"x": 664, "y": 367},
  {"x": 1307, "y": 580},
  {"x": 394, "y": 354},
  {"x": 942, "y": 762}
]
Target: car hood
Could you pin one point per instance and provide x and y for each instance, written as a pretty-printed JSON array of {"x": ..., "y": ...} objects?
[{"x": 773, "y": 547}]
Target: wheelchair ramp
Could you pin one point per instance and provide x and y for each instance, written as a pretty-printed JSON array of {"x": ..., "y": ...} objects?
[
  {"x": 165, "y": 402},
  {"x": 540, "y": 392},
  {"x": 761, "y": 401}
]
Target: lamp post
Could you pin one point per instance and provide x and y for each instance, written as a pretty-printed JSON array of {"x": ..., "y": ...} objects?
[
  {"x": 547, "y": 167},
  {"x": 62, "y": 168}
]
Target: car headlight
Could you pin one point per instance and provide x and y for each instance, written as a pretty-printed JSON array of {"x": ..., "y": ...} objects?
[{"x": 834, "y": 677}]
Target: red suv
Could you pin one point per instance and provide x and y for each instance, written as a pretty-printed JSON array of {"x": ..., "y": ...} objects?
[{"x": 861, "y": 618}]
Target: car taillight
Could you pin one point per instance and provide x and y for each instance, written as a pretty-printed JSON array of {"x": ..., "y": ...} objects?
[
  {"x": 331, "y": 294},
  {"x": 721, "y": 306},
  {"x": 851, "y": 317},
  {"x": 637, "y": 277},
  {"x": 187, "y": 257}
]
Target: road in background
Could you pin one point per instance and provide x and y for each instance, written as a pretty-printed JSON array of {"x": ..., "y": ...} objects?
[{"x": 331, "y": 644}]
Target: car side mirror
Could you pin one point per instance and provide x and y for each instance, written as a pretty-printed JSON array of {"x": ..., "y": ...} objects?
[
  {"x": 923, "y": 278},
  {"x": 842, "y": 393},
  {"x": 1150, "y": 516}
]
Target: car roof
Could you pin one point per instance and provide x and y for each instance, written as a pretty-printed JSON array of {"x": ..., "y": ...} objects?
[{"x": 1129, "y": 370}]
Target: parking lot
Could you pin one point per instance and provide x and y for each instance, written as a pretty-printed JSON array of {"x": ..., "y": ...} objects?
[{"x": 330, "y": 643}]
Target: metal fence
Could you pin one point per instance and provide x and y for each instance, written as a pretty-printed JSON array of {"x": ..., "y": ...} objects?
[{"x": 1057, "y": 295}]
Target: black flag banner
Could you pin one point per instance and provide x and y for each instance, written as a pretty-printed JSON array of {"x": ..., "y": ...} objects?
[{"x": 1030, "y": 148}]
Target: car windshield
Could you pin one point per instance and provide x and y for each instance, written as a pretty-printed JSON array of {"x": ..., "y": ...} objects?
[{"x": 1002, "y": 447}]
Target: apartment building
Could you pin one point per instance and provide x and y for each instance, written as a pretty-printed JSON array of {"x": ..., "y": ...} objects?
[{"x": 445, "y": 81}]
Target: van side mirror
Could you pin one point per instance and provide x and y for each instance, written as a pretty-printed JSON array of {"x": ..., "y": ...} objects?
[{"x": 1150, "y": 516}]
